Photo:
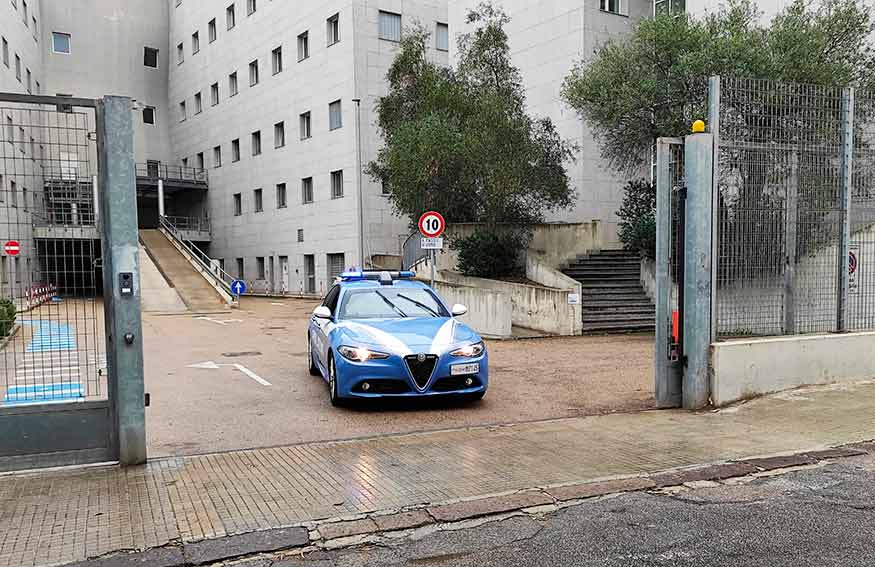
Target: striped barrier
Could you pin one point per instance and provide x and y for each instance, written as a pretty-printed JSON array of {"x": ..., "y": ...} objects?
[{"x": 39, "y": 294}]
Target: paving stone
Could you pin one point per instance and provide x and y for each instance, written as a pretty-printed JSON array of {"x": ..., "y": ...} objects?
[
  {"x": 838, "y": 453},
  {"x": 230, "y": 547},
  {"x": 157, "y": 557},
  {"x": 782, "y": 462},
  {"x": 592, "y": 489},
  {"x": 714, "y": 472},
  {"x": 486, "y": 506},
  {"x": 346, "y": 529},
  {"x": 403, "y": 520}
]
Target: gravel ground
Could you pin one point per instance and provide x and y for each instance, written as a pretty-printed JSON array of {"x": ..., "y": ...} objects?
[{"x": 201, "y": 410}]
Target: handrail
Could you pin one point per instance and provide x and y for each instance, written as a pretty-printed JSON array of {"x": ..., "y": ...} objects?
[
  {"x": 212, "y": 271},
  {"x": 191, "y": 224},
  {"x": 412, "y": 253},
  {"x": 157, "y": 170}
]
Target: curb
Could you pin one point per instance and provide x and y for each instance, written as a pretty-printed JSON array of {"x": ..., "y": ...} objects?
[{"x": 340, "y": 532}]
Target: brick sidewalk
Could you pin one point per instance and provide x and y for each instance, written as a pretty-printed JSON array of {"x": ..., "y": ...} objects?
[{"x": 63, "y": 516}]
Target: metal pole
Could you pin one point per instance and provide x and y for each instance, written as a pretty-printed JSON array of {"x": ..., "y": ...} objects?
[
  {"x": 96, "y": 201},
  {"x": 699, "y": 173},
  {"x": 844, "y": 251},
  {"x": 124, "y": 343},
  {"x": 433, "y": 261},
  {"x": 790, "y": 231},
  {"x": 360, "y": 190},
  {"x": 714, "y": 127},
  {"x": 161, "y": 198}
]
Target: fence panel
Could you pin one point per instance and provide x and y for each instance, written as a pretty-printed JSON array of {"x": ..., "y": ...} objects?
[{"x": 861, "y": 289}]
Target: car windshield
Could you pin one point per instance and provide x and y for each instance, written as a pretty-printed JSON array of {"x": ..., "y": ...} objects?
[{"x": 390, "y": 303}]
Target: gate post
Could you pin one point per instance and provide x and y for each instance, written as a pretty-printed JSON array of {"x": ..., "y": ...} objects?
[
  {"x": 699, "y": 174},
  {"x": 846, "y": 198},
  {"x": 121, "y": 278}
]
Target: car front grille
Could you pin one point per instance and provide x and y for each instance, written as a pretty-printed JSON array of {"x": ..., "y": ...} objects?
[{"x": 421, "y": 371}]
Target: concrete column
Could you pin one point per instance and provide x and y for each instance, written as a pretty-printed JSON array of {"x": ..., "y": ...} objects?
[
  {"x": 699, "y": 173},
  {"x": 124, "y": 343},
  {"x": 161, "y": 198}
]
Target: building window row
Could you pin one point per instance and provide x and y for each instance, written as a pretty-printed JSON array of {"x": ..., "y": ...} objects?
[
  {"x": 281, "y": 193},
  {"x": 27, "y": 18},
  {"x": 22, "y": 73}
]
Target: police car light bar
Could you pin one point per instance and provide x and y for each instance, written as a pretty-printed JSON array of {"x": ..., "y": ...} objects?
[{"x": 359, "y": 275}]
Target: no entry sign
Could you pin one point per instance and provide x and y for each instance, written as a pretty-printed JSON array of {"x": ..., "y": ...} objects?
[
  {"x": 12, "y": 248},
  {"x": 432, "y": 224}
]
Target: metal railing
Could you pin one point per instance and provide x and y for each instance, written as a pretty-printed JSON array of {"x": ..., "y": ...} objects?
[
  {"x": 189, "y": 224},
  {"x": 412, "y": 252},
  {"x": 211, "y": 270},
  {"x": 177, "y": 173}
]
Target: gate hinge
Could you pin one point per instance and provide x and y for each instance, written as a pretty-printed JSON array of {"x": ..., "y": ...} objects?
[{"x": 148, "y": 399}]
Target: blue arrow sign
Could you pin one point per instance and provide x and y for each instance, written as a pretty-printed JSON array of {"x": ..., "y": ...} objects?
[{"x": 238, "y": 287}]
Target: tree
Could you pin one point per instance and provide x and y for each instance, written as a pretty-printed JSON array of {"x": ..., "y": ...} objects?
[
  {"x": 654, "y": 82},
  {"x": 459, "y": 140}
]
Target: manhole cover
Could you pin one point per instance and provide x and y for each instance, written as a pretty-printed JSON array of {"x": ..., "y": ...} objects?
[{"x": 244, "y": 353}]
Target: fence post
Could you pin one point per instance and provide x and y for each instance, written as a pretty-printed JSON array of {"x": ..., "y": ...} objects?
[
  {"x": 790, "y": 236},
  {"x": 124, "y": 342},
  {"x": 698, "y": 262},
  {"x": 844, "y": 250},
  {"x": 714, "y": 84}
]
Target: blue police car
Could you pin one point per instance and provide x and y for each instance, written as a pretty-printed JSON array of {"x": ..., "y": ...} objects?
[{"x": 381, "y": 335}]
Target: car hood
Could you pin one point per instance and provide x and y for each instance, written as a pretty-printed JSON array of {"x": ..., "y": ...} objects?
[{"x": 434, "y": 335}]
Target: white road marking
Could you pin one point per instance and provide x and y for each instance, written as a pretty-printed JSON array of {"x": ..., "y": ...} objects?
[
  {"x": 210, "y": 365},
  {"x": 279, "y": 304},
  {"x": 219, "y": 321},
  {"x": 252, "y": 375}
]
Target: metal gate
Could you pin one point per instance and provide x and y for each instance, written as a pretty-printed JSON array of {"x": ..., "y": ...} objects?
[{"x": 58, "y": 399}]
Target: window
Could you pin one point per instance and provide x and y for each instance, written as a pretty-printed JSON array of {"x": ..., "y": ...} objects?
[
  {"x": 13, "y": 193},
  {"x": 235, "y": 150},
  {"x": 259, "y": 263},
  {"x": 281, "y": 201},
  {"x": 253, "y": 73},
  {"x": 442, "y": 37},
  {"x": 305, "y": 126},
  {"x": 337, "y": 184},
  {"x": 279, "y": 134},
  {"x": 214, "y": 94},
  {"x": 29, "y": 81},
  {"x": 238, "y": 207},
  {"x": 195, "y": 42},
  {"x": 303, "y": 46},
  {"x": 5, "y": 52},
  {"x": 149, "y": 115},
  {"x": 333, "y": 29},
  {"x": 198, "y": 103},
  {"x": 384, "y": 188},
  {"x": 38, "y": 89},
  {"x": 300, "y": 235},
  {"x": 180, "y": 54},
  {"x": 251, "y": 7},
  {"x": 18, "y": 67},
  {"x": 24, "y": 12},
  {"x": 335, "y": 116},
  {"x": 240, "y": 272},
  {"x": 232, "y": 84},
  {"x": 336, "y": 265},
  {"x": 211, "y": 30},
  {"x": 307, "y": 190},
  {"x": 390, "y": 26},
  {"x": 230, "y": 17},
  {"x": 277, "y": 58},
  {"x": 35, "y": 33},
  {"x": 24, "y": 198},
  {"x": 615, "y": 6},
  {"x": 150, "y": 57},
  {"x": 217, "y": 156},
  {"x": 183, "y": 115},
  {"x": 669, "y": 7},
  {"x": 185, "y": 162},
  {"x": 256, "y": 143},
  {"x": 199, "y": 160},
  {"x": 259, "y": 200}
]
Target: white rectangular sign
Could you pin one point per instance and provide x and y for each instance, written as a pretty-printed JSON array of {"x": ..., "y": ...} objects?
[
  {"x": 432, "y": 243},
  {"x": 573, "y": 299}
]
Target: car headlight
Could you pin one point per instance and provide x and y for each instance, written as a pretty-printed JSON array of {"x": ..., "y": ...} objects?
[
  {"x": 469, "y": 351},
  {"x": 361, "y": 354}
]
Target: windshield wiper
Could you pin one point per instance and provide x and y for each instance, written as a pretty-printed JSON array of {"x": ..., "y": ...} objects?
[
  {"x": 390, "y": 304},
  {"x": 419, "y": 304}
]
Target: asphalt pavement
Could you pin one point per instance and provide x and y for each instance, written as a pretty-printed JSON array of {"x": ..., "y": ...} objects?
[{"x": 814, "y": 517}]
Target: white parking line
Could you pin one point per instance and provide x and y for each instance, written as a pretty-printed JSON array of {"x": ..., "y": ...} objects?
[
  {"x": 252, "y": 375},
  {"x": 210, "y": 365}
]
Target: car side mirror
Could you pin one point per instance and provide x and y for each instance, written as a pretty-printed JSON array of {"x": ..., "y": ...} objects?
[
  {"x": 322, "y": 312},
  {"x": 459, "y": 310}
]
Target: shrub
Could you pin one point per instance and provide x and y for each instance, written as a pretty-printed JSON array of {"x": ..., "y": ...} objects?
[
  {"x": 638, "y": 218},
  {"x": 8, "y": 313},
  {"x": 490, "y": 253}
]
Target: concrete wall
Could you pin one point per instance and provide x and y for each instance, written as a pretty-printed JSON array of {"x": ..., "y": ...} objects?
[
  {"x": 546, "y": 275},
  {"x": 489, "y": 311},
  {"x": 743, "y": 369}
]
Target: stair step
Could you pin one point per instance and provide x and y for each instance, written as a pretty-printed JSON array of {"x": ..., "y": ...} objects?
[
  {"x": 618, "y": 284},
  {"x": 619, "y": 318},
  {"x": 603, "y": 276},
  {"x": 615, "y": 328},
  {"x": 597, "y": 260},
  {"x": 619, "y": 311}
]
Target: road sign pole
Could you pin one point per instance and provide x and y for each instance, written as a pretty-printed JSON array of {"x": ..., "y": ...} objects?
[{"x": 433, "y": 259}]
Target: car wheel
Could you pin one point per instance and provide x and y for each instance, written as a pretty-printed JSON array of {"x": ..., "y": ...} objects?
[
  {"x": 333, "y": 396},
  {"x": 311, "y": 360}
]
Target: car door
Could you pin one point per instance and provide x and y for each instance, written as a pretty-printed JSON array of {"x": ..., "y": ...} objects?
[{"x": 322, "y": 327}]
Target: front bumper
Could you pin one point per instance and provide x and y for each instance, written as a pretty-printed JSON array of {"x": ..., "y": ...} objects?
[{"x": 391, "y": 378}]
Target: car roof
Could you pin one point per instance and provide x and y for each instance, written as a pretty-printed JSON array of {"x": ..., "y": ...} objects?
[{"x": 371, "y": 284}]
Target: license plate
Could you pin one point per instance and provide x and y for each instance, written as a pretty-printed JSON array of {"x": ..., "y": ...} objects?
[{"x": 461, "y": 369}]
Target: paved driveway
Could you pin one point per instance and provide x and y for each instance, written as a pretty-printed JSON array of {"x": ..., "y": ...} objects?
[{"x": 202, "y": 402}]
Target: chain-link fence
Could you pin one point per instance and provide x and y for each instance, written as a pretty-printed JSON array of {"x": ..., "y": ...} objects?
[{"x": 795, "y": 209}]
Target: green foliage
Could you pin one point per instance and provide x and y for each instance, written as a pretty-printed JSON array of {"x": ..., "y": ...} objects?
[
  {"x": 638, "y": 218},
  {"x": 654, "y": 82},
  {"x": 8, "y": 314},
  {"x": 459, "y": 140},
  {"x": 491, "y": 253}
]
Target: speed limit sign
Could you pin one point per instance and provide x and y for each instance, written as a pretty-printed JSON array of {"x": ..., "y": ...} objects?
[{"x": 432, "y": 224}]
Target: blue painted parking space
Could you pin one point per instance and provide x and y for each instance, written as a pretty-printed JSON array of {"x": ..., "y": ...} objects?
[
  {"x": 51, "y": 336},
  {"x": 41, "y": 393}
]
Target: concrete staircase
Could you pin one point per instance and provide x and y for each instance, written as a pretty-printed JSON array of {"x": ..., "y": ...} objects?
[
  {"x": 195, "y": 291},
  {"x": 613, "y": 299}
]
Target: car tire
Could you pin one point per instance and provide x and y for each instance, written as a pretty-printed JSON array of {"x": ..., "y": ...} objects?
[
  {"x": 333, "y": 396},
  {"x": 311, "y": 360}
]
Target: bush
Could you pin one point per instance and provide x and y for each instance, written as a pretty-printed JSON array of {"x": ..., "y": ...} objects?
[
  {"x": 491, "y": 254},
  {"x": 8, "y": 313},
  {"x": 638, "y": 218}
]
